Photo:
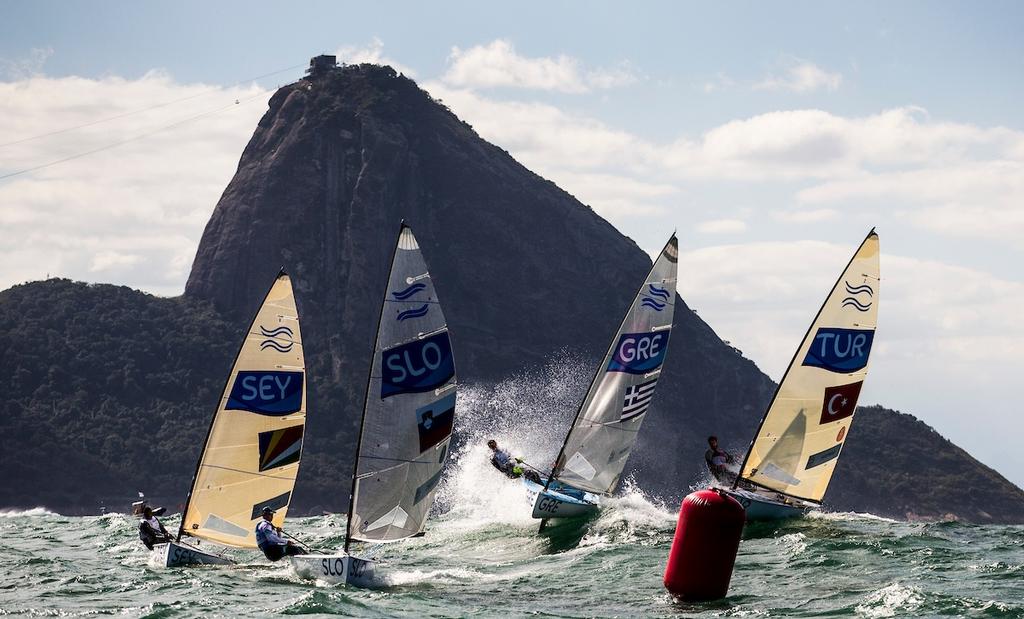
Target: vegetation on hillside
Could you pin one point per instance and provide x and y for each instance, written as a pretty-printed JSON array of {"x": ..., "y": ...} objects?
[{"x": 108, "y": 390}]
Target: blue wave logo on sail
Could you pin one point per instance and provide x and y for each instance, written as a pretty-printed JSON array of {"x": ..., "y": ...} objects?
[
  {"x": 840, "y": 350},
  {"x": 266, "y": 393},
  {"x": 403, "y": 295},
  {"x": 854, "y": 292},
  {"x": 416, "y": 367},
  {"x": 661, "y": 293},
  {"x": 658, "y": 298},
  {"x": 279, "y": 332},
  {"x": 413, "y": 313},
  {"x": 639, "y": 353}
]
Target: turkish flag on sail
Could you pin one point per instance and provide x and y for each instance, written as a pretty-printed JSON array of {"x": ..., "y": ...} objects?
[{"x": 840, "y": 402}]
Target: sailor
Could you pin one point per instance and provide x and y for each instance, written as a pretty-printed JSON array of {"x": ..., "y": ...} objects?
[
  {"x": 269, "y": 540},
  {"x": 151, "y": 532},
  {"x": 511, "y": 466},
  {"x": 717, "y": 459}
]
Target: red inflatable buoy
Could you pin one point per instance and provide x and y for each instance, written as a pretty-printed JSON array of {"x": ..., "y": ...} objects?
[{"x": 705, "y": 545}]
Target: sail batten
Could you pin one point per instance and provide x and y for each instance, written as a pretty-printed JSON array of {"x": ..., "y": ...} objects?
[
  {"x": 409, "y": 410},
  {"x": 609, "y": 418},
  {"x": 804, "y": 429},
  {"x": 251, "y": 456}
]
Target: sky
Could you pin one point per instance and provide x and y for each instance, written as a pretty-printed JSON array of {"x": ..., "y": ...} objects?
[{"x": 772, "y": 137}]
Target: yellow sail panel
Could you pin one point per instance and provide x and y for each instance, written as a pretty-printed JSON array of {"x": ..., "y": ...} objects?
[
  {"x": 803, "y": 432},
  {"x": 251, "y": 457}
]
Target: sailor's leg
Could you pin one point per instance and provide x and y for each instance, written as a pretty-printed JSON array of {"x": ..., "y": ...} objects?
[{"x": 274, "y": 552}]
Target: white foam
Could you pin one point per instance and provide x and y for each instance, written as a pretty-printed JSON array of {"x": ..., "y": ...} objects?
[
  {"x": 528, "y": 415},
  {"x": 794, "y": 543},
  {"x": 890, "y": 601},
  {"x": 397, "y": 578},
  {"x": 848, "y": 516},
  {"x": 20, "y": 513}
]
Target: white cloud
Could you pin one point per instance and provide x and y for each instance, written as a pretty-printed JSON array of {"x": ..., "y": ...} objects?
[
  {"x": 722, "y": 226},
  {"x": 982, "y": 199},
  {"x": 806, "y": 216},
  {"x": 539, "y": 134},
  {"x": 497, "y": 64},
  {"x": 133, "y": 213},
  {"x": 372, "y": 54},
  {"x": 721, "y": 82},
  {"x": 928, "y": 310},
  {"x": 107, "y": 260},
  {"x": 956, "y": 179},
  {"x": 27, "y": 66},
  {"x": 801, "y": 76}
]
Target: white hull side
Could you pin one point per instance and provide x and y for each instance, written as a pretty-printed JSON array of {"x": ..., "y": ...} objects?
[
  {"x": 760, "y": 507},
  {"x": 551, "y": 504},
  {"x": 335, "y": 569},
  {"x": 179, "y": 555}
]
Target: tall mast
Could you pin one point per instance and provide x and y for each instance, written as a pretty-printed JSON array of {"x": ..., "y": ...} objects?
[
  {"x": 216, "y": 408},
  {"x": 789, "y": 368},
  {"x": 366, "y": 395}
]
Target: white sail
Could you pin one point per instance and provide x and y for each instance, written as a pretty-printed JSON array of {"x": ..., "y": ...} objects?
[
  {"x": 410, "y": 406},
  {"x": 606, "y": 426},
  {"x": 803, "y": 432},
  {"x": 251, "y": 456}
]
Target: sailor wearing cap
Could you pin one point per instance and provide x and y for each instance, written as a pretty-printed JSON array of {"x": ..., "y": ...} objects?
[{"x": 268, "y": 538}]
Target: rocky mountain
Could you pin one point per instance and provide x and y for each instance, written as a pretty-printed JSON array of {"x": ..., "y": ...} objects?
[{"x": 524, "y": 269}]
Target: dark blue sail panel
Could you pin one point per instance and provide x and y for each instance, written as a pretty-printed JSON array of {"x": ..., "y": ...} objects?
[
  {"x": 266, "y": 393},
  {"x": 418, "y": 366},
  {"x": 639, "y": 353},
  {"x": 840, "y": 350}
]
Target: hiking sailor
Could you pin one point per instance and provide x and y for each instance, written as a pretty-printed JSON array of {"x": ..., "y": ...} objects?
[
  {"x": 502, "y": 460},
  {"x": 269, "y": 540},
  {"x": 717, "y": 459},
  {"x": 151, "y": 532}
]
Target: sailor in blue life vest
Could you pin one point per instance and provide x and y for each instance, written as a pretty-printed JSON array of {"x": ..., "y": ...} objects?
[
  {"x": 269, "y": 540},
  {"x": 511, "y": 466},
  {"x": 151, "y": 532},
  {"x": 717, "y": 459}
]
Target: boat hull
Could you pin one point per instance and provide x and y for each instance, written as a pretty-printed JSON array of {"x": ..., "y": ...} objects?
[
  {"x": 335, "y": 569},
  {"x": 560, "y": 501},
  {"x": 180, "y": 555},
  {"x": 761, "y": 507}
]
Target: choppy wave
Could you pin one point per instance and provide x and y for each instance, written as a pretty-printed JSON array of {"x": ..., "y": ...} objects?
[{"x": 19, "y": 513}]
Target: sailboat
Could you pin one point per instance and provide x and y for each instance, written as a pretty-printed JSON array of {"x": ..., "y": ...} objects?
[
  {"x": 408, "y": 416},
  {"x": 251, "y": 455},
  {"x": 790, "y": 461},
  {"x": 596, "y": 449}
]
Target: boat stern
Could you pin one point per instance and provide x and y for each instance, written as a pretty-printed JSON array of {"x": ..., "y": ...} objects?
[
  {"x": 759, "y": 507},
  {"x": 335, "y": 569},
  {"x": 552, "y": 503},
  {"x": 181, "y": 555}
]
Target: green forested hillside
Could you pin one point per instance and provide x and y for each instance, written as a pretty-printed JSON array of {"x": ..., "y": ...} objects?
[{"x": 108, "y": 391}]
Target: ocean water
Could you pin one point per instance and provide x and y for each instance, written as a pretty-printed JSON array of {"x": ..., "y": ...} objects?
[
  {"x": 478, "y": 563},
  {"x": 483, "y": 557}
]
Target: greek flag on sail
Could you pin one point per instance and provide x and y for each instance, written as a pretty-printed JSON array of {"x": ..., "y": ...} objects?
[{"x": 638, "y": 398}]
